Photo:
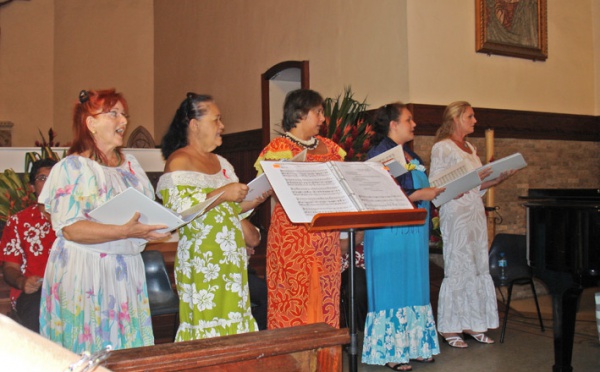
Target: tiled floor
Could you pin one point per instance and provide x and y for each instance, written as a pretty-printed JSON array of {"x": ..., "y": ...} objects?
[{"x": 525, "y": 347}]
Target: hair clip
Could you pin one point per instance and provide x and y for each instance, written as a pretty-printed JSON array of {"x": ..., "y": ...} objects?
[{"x": 84, "y": 96}]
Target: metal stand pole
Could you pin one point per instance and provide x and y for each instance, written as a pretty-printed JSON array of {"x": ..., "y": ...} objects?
[{"x": 353, "y": 350}]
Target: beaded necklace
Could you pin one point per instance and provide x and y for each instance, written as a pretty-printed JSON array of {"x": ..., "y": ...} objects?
[{"x": 311, "y": 144}]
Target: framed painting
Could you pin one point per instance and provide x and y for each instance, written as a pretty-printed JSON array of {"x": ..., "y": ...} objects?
[{"x": 515, "y": 28}]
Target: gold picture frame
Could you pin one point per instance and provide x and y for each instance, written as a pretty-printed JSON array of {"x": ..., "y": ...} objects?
[{"x": 514, "y": 28}]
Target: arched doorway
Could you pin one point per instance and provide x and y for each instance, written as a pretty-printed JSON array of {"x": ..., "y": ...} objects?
[{"x": 276, "y": 82}]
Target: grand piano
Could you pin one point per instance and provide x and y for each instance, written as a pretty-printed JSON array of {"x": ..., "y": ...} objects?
[{"x": 563, "y": 243}]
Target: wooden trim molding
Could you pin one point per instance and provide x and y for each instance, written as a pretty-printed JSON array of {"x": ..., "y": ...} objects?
[
  {"x": 515, "y": 124},
  {"x": 249, "y": 140}
]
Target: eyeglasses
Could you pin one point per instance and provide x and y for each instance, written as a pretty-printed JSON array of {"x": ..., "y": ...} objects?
[
  {"x": 41, "y": 177},
  {"x": 113, "y": 114}
]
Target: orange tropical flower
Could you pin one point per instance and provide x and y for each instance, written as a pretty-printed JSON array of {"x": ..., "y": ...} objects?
[{"x": 346, "y": 125}]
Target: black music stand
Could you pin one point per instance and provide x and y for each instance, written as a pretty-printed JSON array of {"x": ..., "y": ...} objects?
[{"x": 362, "y": 220}]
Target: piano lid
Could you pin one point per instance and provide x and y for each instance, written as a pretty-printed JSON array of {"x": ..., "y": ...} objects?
[{"x": 563, "y": 194}]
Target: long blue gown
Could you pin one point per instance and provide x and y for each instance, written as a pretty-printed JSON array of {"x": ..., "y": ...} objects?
[{"x": 400, "y": 324}]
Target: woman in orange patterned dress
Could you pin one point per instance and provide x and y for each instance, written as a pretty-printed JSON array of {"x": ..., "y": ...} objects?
[{"x": 303, "y": 268}]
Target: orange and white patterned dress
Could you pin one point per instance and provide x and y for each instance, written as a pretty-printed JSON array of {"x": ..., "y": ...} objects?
[{"x": 303, "y": 268}]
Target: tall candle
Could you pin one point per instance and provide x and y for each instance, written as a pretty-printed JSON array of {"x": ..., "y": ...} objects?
[
  {"x": 489, "y": 157},
  {"x": 489, "y": 145}
]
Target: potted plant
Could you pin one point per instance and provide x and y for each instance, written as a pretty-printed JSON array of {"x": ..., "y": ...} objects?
[{"x": 346, "y": 124}]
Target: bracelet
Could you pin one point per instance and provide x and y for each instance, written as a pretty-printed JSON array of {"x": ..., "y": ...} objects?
[{"x": 88, "y": 362}]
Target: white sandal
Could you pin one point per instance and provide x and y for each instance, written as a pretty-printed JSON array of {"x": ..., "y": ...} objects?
[
  {"x": 481, "y": 337},
  {"x": 455, "y": 341}
]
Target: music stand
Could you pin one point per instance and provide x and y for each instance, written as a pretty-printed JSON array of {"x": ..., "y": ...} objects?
[{"x": 362, "y": 220}]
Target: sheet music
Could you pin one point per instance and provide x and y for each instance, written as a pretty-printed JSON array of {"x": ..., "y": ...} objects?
[
  {"x": 122, "y": 207},
  {"x": 316, "y": 189},
  {"x": 199, "y": 209},
  {"x": 395, "y": 153},
  {"x": 260, "y": 184},
  {"x": 455, "y": 172},
  {"x": 511, "y": 162},
  {"x": 257, "y": 187},
  {"x": 458, "y": 179},
  {"x": 368, "y": 185},
  {"x": 394, "y": 159},
  {"x": 306, "y": 189},
  {"x": 456, "y": 187}
]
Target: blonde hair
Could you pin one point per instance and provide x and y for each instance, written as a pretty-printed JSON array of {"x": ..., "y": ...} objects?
[{"x": 452, "y": 111}]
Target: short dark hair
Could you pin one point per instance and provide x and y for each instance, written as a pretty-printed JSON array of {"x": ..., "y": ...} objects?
[
  {"x": 297, "y": 105},
  {"x": 37, "y": 165}
]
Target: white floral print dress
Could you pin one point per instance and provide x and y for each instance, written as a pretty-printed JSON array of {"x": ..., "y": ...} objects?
[
  {"x": 93, "y": 295},
  {"x": 211, "y": 263}
]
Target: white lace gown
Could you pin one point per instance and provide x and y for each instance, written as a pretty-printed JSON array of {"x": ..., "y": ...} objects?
[{"x": 467, "y": 299}]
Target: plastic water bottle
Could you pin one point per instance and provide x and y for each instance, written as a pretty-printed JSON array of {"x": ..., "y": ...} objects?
[{"x": 502, "y": 263}]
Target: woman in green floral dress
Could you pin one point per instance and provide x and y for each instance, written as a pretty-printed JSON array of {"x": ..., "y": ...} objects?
[{"x": 211, "y": 262}]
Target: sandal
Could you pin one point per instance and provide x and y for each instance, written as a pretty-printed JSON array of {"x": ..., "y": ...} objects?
[
  {"x": 399, "y": 366},
  {"x": 455, "y": 341},
  {"x": 480, "y": 337},
  {"x": 421, "y": 360}
]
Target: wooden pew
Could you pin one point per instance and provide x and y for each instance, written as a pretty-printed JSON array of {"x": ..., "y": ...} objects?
[{"x": 314, "y": 347}]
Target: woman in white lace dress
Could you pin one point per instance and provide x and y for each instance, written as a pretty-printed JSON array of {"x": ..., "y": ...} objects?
[{"x": 467, "y": 299}]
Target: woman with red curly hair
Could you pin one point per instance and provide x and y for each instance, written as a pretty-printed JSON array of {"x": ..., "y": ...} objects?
[{"x": 94, "y": 291}]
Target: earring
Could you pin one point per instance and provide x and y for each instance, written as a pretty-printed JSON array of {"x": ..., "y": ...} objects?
[{"x": 93, "y": 131}]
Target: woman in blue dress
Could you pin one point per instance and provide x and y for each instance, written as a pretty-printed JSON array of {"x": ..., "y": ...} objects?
[{"x": 400, "y": 326}]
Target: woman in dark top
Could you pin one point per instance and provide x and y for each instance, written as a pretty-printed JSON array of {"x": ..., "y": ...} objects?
[{"x": 400, "y": 326}]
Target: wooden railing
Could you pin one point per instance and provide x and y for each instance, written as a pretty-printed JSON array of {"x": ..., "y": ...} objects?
[{"x": 314, "y": 347}]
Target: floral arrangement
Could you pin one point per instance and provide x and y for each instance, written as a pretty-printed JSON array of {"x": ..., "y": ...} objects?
[
  {"x": 346, "y": 125},
  {"x": 46, "y": 149},
  {"x": 51, "y": 136}
]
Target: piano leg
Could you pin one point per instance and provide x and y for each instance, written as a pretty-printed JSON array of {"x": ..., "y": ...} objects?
[{"x": 564, "y": 313}]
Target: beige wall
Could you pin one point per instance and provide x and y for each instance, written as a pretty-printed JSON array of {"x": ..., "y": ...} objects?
[
  {"x": 444, "y": 67},
  {"x": 156, "y": 50},
  {"x": 26, "y": 69},
  {"x": 596, "y": 27},
  {"x": 222, "y": 48},
  {"x": 104, "y": 44},
  {"x": 51, "y": 49}
]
